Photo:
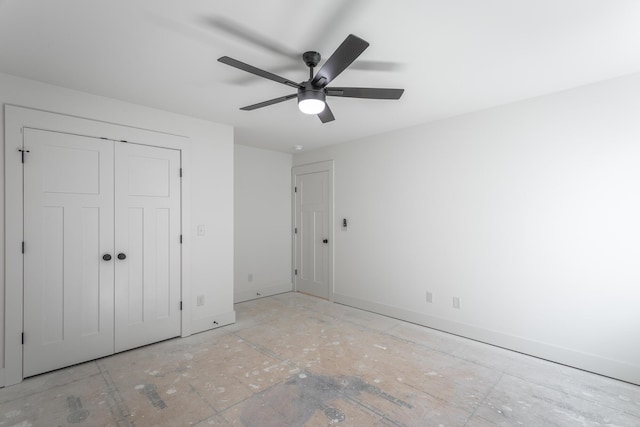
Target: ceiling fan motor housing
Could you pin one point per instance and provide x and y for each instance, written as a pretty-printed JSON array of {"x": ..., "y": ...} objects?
[{"x": 309, "y": 91}]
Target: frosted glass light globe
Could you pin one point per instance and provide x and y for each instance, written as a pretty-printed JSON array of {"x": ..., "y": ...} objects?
[{"x": 311, "y": 106}]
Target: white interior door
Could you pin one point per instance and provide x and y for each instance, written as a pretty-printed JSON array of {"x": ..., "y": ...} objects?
[
  {"x": 313, "y": 233},
  {"x": 68, "y": 228},
  {"x": 148, "y": 234}
]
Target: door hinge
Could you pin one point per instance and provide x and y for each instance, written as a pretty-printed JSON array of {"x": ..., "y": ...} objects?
[
  {"x": 181, "y": 239},
  {"x": 180, "y": 172},
  {"x": 295, "y": 230},
  {"x": 295, "y": 189},
  {"x": 295, "y": 272},
  {"x": 22, "y": 339},
  {"x": 180, "y": 305},
  {"x": 22, "y": 153},
  {"x": 22, "y": 247}
]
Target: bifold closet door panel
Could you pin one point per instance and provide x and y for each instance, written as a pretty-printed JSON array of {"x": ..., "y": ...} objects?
[
  {"x": 147, "y": 224},
  {"x": 68, "y": 229}
]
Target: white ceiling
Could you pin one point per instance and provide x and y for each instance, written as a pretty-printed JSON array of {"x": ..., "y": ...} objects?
[{"x": 450, "y": 56}]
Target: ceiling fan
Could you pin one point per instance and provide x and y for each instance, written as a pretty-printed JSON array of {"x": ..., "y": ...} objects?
[{"x": 312, "y": 93}]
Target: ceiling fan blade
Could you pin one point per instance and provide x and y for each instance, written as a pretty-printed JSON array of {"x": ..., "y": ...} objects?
[
  {"x": 269, "y": 102},
  {"x": 342, "y": 14},
  {"x": 246, "y": 79},
  {"x": 364, "y": 92},
  {"x": 344, "y": 55},
  {"x": 244, "y": 33},
  {"x": 257, "y": 71},
  {"x": 326, "y": 115}
]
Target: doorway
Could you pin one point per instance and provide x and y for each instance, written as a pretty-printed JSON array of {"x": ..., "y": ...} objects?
[
  {"x": 313, "y": 229},
  {"x": 20, "y": 125},
  {"x": 102, "y": 255}
]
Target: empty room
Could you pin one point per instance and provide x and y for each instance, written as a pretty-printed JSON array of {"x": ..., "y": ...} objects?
[{"x": 294, "y": 213}]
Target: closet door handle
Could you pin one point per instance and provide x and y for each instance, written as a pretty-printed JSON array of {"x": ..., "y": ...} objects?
[
  {"x": 106, "y": 257},
  {"x": 121, "y": 256}
]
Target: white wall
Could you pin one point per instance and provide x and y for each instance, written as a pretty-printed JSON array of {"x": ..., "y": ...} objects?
[
  {"x": 262, "y": 212},
  {"x": 529, "y": 213},
  {"x": 211, "y": 178}
]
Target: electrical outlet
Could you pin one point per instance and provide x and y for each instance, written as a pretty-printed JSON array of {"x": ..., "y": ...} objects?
[
  {"x": 429, "y": 297},
  {"x": 200, "y": 300},
  {"x": 456, "y": 302}
]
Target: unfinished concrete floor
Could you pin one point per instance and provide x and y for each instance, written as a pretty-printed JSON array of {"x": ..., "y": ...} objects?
[{"x": 294, "y": 360}]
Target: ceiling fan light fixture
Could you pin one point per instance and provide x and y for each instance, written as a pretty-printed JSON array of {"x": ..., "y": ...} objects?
[
  {"x": 311, "y": 101},
  {"x": 312, "y": 93}
]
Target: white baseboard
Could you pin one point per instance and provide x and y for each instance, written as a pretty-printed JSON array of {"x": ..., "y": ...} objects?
[
  {"x": 585, "y": 361},
  {"x": 260, "y": 292},
  {"x": 212, "y": 322}
]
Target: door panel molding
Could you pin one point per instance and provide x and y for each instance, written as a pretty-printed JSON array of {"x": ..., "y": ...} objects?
[{"x": 16, "y": 119}]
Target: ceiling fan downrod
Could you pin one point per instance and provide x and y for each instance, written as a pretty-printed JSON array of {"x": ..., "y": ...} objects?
[{"x": 312, "y": 59}]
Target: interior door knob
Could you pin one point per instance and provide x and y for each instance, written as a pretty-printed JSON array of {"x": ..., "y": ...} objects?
[
  {"x": 325, "y": 240},
  {"x": 106, "y": 257},
  {"x": 121, "y": 255}
]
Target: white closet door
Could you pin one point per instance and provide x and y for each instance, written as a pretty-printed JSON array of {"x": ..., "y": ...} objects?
[
  {"x": 68, "y": 228},
  {"x": 147, "y": 223}
]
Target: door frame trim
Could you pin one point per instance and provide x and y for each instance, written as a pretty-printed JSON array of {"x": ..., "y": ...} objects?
[
  {"x": 17, "y": 118},
  {"x": 325, "y": 166}
]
